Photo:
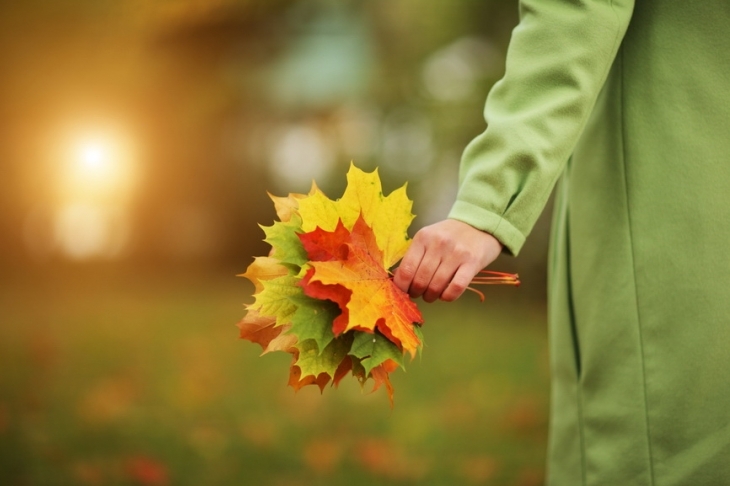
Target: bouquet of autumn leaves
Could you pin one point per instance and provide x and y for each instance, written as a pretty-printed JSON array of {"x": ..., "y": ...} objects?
[{"x": 325, "y": 293}]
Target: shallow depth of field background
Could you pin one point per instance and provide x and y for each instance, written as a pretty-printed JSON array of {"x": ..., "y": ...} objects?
[{"x": 138, "y": 140}]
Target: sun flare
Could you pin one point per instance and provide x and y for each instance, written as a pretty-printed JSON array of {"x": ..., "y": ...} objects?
[
  {"x": 95, "y": 184},
  {"x": 99, "y": 169},
  {"x": 93, "y": 155}
]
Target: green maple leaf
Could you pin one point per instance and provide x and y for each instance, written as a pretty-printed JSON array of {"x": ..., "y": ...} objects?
[
  {"x": 286, "y": 247},
  {"x": 374, "y": 349},
  {"x": 275, "y": 300},
  {"x": 419, "y": 333},
  {"x": 358, "y": 370},
  {"x": 312, "y": 362},
  {"x": 313, "y": 320}
]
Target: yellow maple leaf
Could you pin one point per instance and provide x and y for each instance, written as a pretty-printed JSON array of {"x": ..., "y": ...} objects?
[
  {"x": 286, "y": 206},
  {"x": 262, "y": 269},
  {"x": 388, "y": 216}
]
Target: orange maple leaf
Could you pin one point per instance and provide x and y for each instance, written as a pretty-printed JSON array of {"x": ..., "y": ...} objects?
[
  {"x": 346, "y": 267},
  {"x": 379, "y": 374},
  {"x": 380, "y": 377},
  {"x": 263, "y": 330}
]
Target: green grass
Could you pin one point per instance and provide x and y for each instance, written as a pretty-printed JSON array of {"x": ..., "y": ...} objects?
[{"x": 110, "y": 377}]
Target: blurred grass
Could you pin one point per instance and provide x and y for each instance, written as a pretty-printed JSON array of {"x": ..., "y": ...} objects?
[{"x": 111, "y": 376}]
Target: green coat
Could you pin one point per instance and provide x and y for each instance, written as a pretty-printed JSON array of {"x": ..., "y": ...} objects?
[{"x": 633, "y": 101}]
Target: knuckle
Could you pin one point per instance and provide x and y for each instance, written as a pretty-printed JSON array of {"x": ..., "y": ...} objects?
[
  {"x": 430, "y": 236},
  {"x": 443, "y": 241},
  {"x": 421, "y": 235},
  {"x": 462, "y": 253}
]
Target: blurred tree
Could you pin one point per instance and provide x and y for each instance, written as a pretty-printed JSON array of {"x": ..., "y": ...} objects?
[{"x": 227, "y": 99}]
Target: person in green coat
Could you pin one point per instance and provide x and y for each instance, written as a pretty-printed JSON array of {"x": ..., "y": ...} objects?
[{"x": 629, "y": 106}]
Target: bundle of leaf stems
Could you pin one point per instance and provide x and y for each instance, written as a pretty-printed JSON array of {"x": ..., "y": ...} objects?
[{"x": 489, "y": 277}]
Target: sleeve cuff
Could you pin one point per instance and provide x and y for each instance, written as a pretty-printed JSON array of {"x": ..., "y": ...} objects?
[{"x": 490, "y": 222}]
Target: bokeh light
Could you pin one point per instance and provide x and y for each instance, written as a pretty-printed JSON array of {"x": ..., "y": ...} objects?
[
  {"x": 98, "y": 169},
  {"x": 92, "y": 183},
  {"x": 87, "y": 231}
]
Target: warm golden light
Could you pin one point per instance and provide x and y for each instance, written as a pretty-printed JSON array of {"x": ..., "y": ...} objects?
[
  {"x": 89, "y": 231},
  {"x": 94, "y": 156},
  {"x": 95, "y": 181},
  {"x": 99, "y": 169}
]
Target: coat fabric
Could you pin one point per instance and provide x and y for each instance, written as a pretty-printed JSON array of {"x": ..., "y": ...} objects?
[{"x": 629, "y": 104}]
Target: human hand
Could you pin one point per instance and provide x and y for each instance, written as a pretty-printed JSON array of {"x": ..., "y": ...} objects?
[{"x": 443, "y": 259}]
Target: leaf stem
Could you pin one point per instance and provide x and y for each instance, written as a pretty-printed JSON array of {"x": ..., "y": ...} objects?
[{"x": 489, "y": 277}]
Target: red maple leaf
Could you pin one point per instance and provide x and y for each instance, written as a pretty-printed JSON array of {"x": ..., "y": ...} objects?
[{"x": 346, "y": 267}]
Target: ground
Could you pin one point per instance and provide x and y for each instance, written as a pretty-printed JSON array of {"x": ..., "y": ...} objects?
[{"x": 111, "y": 376}]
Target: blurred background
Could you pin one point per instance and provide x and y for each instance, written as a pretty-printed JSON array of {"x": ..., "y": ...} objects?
[{"x": 137, "y": 142}]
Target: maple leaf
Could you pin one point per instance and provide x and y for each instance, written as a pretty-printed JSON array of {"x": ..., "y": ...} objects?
[
  {"x": 313, "y": 362},
  {"x": 275, "y": 298},
  {"x": 312, "y": 366},
  {"x": 352, "y": 275},
  {"x": 380, "y": 376},
  {"x": 274, "y": 284},
  {"x": 374, "y": 349},
  {"x": 388, "y": 216},
  {"x": 262, "y": 330},
  {"x": 324, "y": 293},
  {"x": 264, "y": 268},
  {"x": 283, "y": 318},
  {"x": 297, "y": 380},
  {"x": 313, "y": 319},
  {"x": 342, "y": 370},
  {"x": 283, "y": 240},
  {"x": 286, "y": 206}
]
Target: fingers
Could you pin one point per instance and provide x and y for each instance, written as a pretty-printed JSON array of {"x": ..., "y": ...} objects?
[
  {"x": 416, "y": 273},
  {"x": 459, "y": 283},
  {"x": 408, "y": 267},
  {"x": 422, "y": 280},
  {"x": 427, "y": 268},
  {"x": 439, "y": 282},
  {"x": 443, "y": 259}
]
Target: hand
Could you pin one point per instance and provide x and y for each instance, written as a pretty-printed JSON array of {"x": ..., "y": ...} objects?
[{"x": 443, "y": 259}]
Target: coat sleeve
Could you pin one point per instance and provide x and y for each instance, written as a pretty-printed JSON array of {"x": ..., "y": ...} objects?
[{"x": 558, "y": 59}]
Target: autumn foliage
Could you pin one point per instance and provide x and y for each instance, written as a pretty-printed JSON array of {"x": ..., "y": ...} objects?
[{"x": 325, "y": 294}]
